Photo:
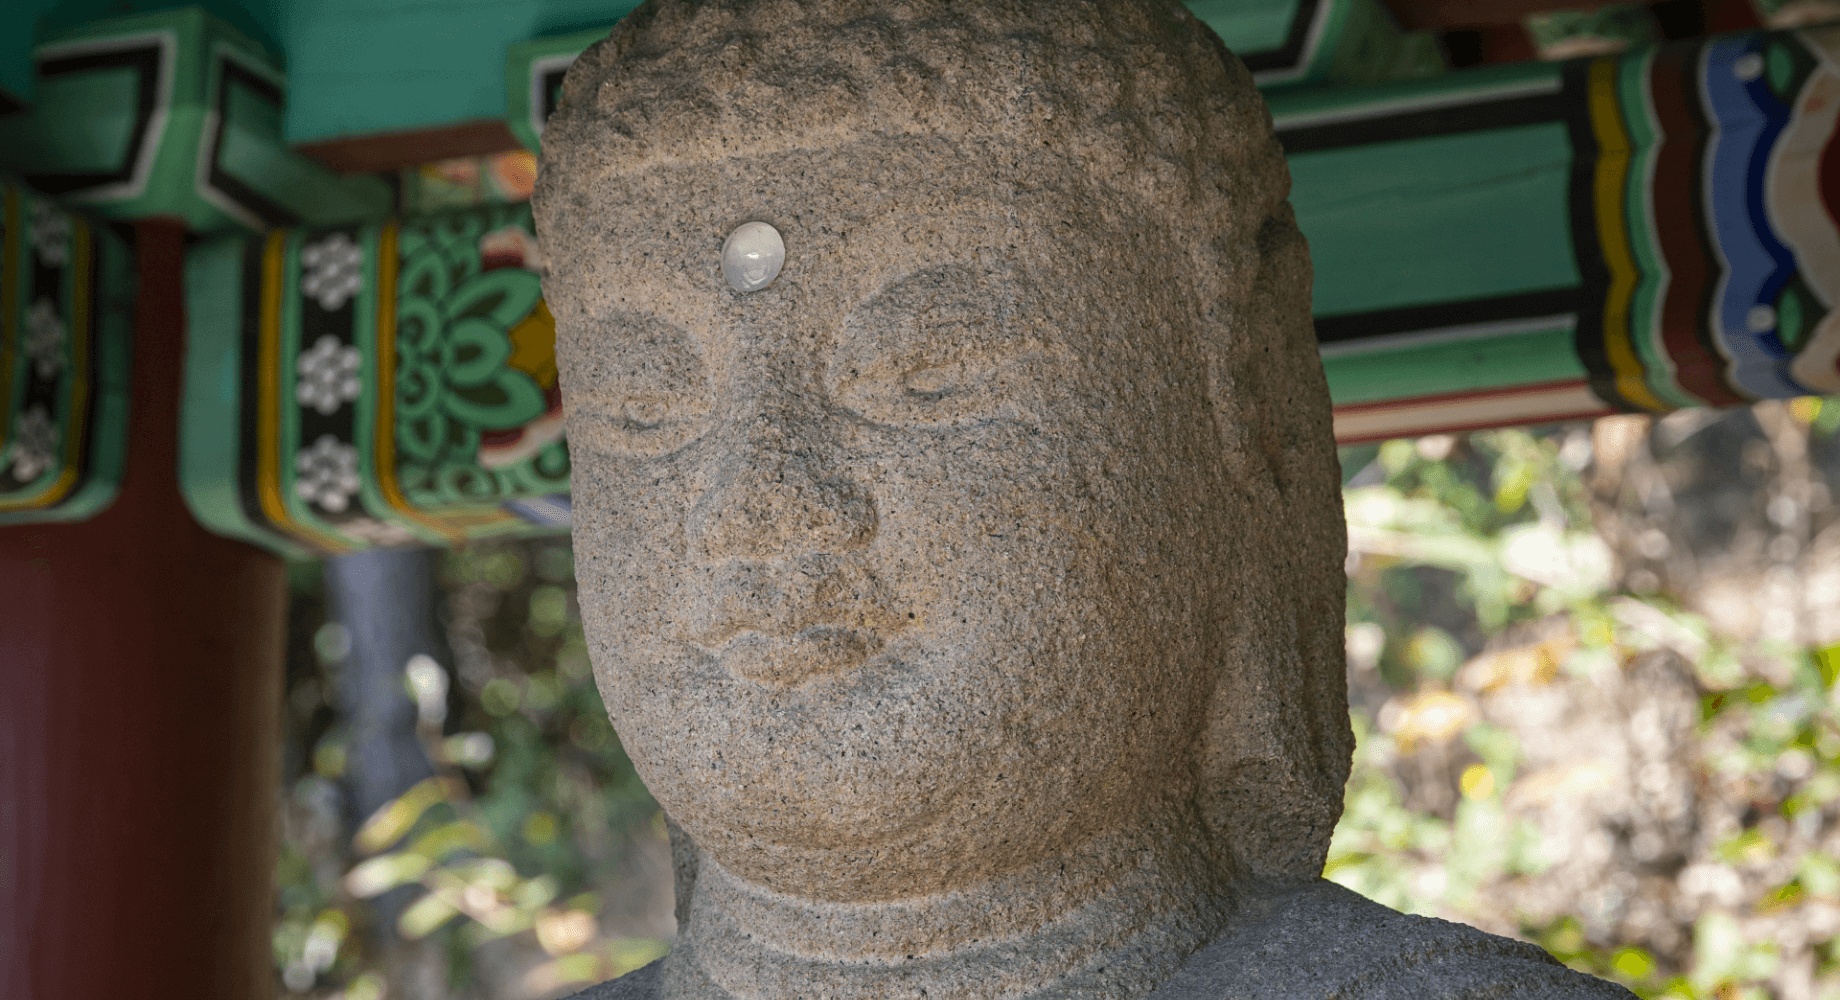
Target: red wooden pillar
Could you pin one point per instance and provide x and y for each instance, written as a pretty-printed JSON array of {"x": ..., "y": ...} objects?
[{"x": 140, "y": 686}]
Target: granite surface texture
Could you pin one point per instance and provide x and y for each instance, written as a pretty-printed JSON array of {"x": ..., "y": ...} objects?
[{"x": 970, "y": 593}]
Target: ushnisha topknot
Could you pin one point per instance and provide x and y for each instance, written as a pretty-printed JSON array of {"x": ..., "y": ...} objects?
[{"x": 1133, "y": 101}]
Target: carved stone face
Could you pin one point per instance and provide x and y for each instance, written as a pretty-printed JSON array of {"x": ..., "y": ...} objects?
[{"x": 896, "y": 573}]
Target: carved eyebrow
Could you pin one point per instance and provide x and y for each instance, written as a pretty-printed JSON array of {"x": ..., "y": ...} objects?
[
  {"x": 668, "y": 297},
  {"x": 895, "y": 246}
]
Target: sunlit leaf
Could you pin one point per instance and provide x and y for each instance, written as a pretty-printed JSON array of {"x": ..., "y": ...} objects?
[
  {"x": 388, "y": 824},
  {"x": 385, "y": 872},
  {"x": 627, "y": 954},
  {"x": 425, "y": 916},
  {"x": 1477, "y": 782},
  {"x": 447, "y": 838},
  {"x": 1432, "y": 717},
  {"x": 1819, "y": 875},
  {"x": 1633, "y": 963},
  {"x": 561, "y": 932},
  {"x": 495, "y": 874}
]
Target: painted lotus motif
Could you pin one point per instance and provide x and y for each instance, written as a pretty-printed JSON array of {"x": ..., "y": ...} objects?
[{"x": 467, "y": 334}]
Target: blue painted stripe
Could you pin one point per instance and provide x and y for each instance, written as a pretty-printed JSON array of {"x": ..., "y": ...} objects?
[{"x": 1755, "y": 263}]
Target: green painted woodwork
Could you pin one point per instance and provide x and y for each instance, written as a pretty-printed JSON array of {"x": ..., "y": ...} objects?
[
  {"x": 1288, "y": 44},
  {"x": 1253, "y": 27},
  {"x": 1294, "y": 108},
  {"x": 1393, "y": 224},
  {"x": 1563, "y": 34},
  {"x": 1487, "y": 360},
  {"x": 214, "y": 366},
  {"x": 177, "y": 114},
  {"x": 1645, "y": 137},
  {"x": 432, "y": 64},
  {"x": 390, "y": 383},
  {"x": 105, "y": 101},
  {"x": 65, "y": 303},
  {"x": 18, "y": 25},
  {"x": 533, "y": 80},
  {"x": 1363, "y": 43},
  {"x": 363, "y": 67},
  {"x": 1515, "y": 244}
]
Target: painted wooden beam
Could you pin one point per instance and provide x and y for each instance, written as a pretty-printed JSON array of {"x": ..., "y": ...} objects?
[
  {"x": 1507, "y": 245},
  {"x": 384, "y": 384},
  {"x": 1288, "y": 44},
  {"x": 1650, "y": 231},
  {"x": 1510, "y": 245},
  {"x": 177, "y": 114},
  {"x": 64, "y": 346}
]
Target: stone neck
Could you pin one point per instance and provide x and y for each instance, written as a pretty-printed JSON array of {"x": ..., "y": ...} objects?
[{"x": 1113, "y": 917}]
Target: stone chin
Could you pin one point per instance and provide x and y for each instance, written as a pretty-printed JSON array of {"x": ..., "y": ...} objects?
[{"x": 912, "y": 771}]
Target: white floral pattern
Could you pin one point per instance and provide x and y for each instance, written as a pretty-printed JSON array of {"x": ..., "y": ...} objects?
[
  {"x": 45, "y": 339},
  {"x": 327, "y": 474},
  {"x": 331, "y": 270},
  {"x": 35, "y": 440},
  {"x": 328, "y": 375},
  {"x": 50, "y": 234}
]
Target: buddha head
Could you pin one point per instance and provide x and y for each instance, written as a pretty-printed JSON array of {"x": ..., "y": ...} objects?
[{"x": 1008, "y": 510}]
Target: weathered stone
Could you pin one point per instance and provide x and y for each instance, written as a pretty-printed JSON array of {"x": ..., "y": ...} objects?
[{"x": 971, "y": 595}]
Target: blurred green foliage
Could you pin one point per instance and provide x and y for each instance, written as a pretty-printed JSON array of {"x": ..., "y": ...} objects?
[
  {"x": 1455, "y": 544},
  {"x": 522, "y": 829}
]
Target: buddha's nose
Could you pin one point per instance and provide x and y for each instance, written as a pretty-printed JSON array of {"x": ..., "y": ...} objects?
[{"x": 780, "y": 491}]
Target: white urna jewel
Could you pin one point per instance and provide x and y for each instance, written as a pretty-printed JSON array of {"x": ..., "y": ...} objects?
[{"x": 752, "y": 256}]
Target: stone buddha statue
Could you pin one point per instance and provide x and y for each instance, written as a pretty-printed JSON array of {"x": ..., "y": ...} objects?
[{"x": 958, "y": 525}]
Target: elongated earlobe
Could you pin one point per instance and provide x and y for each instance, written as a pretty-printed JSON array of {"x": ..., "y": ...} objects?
[{"x": 1277, "y": 745}]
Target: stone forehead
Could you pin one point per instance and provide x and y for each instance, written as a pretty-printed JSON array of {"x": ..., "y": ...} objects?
[
  {"x": 886, "y": 231},
  {"x": 1134, "y": 92}
]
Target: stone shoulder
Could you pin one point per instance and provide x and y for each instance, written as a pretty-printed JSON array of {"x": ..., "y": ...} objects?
[
  {"x": 1320, "y": 941},
  {"x": 639, "y": 984}
]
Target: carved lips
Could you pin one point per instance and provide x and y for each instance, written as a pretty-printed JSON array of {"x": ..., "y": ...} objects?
[{"x": 783, "y": 623}]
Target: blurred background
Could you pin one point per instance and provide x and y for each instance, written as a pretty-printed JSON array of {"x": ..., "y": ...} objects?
[{"x": 1591, "y": 669}]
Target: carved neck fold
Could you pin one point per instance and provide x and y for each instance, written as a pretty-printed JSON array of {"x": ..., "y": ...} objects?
[{"x": 1111, "y": 918}]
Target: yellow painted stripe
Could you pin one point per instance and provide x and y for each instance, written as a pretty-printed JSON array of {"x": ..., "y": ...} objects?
[
  {"x": 1613, "y": 236},
  {"x": 269, "y": 402},
  {"x": 76, "y": 401},
  {"x": 383, "y": 444}
]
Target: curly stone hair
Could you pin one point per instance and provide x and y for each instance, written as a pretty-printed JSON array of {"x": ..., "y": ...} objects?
[{"x": 1136, "y": 96}]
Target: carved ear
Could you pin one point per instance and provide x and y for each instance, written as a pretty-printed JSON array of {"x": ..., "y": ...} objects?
[
  {"x": 1276, "y": 751},
  {"x": 684, "y": 856}
]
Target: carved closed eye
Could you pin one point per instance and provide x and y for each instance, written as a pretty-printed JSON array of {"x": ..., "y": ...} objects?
[
  {"x": 645, "y": 414},
  {"x": 971, "y": 388},
  {"x": 647, "y": 396},
  {"x": 937, "y": 350},
  {"x": 931, "y": 384}
]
